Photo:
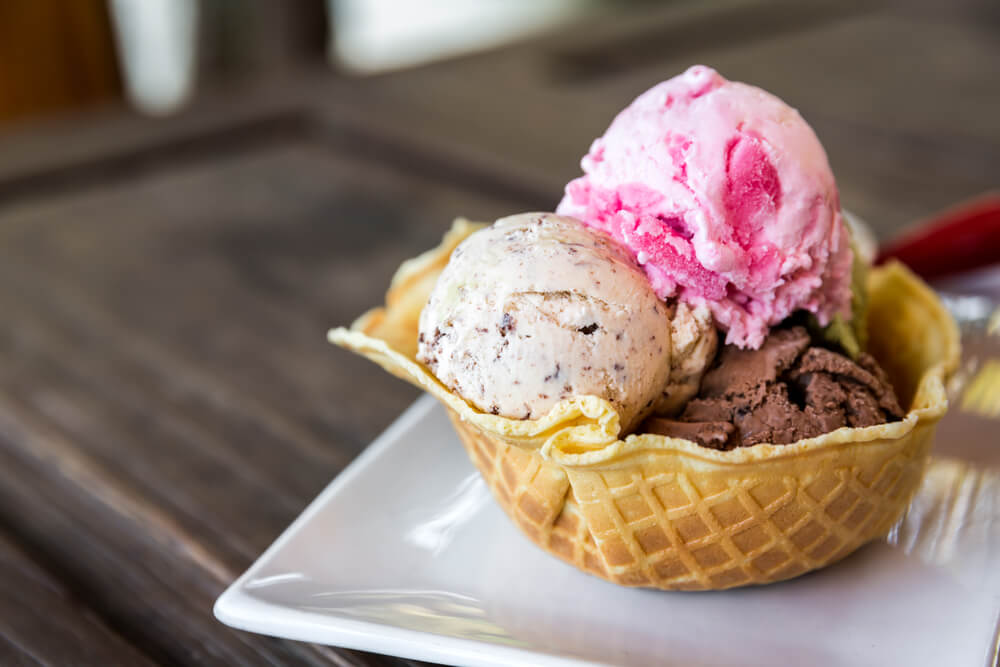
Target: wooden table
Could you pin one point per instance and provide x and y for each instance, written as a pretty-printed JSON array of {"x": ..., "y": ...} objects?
[{"x": 168, "y": 403}]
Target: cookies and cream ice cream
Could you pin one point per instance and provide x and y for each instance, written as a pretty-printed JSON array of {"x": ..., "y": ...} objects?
[
  {"x": 538, "y": 308},
  {"x": 724, "y": 195},
  {"x": 693, "y": 342}
]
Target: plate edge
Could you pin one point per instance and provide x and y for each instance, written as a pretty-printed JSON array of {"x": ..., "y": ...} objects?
[{"x": 231, "y": 607}]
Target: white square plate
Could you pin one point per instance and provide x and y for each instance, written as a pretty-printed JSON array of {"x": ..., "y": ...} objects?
[{"x": 405, "y": 553}]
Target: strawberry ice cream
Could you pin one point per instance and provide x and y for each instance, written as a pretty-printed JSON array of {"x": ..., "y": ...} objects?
[{"x": 724, "y": 195}]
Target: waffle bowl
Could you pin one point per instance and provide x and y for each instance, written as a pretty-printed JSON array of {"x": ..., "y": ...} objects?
[{"x": 649, "y": 510}]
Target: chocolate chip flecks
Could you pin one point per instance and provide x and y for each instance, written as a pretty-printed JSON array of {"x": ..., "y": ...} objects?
[
  {"x": 589, "y": 329},
  {"x": 507, "y": 324},
  {"x": 554, "y": 374}
]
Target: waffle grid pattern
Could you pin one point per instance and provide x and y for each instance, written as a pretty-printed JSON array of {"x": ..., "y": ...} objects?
[
  {"x": 660, "y": 530},
  {"x": 645, "y": 527},
  {"x": 536, "y": 495}
]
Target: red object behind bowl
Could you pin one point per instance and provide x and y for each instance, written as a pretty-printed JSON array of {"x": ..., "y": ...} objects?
[{"x": 961, "y": 239}]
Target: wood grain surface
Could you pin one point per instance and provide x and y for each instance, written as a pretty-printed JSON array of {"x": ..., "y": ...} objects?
[{"x": 168, "y": 403}]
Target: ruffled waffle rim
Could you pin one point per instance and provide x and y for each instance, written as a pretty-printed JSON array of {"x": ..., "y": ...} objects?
[{"x": 582, "y": 432}]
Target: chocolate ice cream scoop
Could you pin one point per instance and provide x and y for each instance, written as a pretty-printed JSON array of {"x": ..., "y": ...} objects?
[{"x": 783, "y": 392}]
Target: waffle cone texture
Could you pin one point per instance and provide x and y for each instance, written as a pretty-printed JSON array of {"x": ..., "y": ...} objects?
[{"x": 649, "y": 510}]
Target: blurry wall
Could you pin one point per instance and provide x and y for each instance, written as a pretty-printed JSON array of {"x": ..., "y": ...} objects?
[
  {"x": 170, "y": 49},
  {"x": 371, "y": 36},
  {"x": 58, "y": 56},
  {"x": 54, "y": 56}
]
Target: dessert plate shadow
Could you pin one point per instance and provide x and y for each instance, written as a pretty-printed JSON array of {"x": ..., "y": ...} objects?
[{"x": 405, "y": 553}]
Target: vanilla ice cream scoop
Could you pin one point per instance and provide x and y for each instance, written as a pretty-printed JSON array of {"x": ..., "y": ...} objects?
[{"x": 538, "y": 308}]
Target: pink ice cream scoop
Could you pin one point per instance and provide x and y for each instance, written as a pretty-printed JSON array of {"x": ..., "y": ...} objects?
[{"x": 725, "y": 197}]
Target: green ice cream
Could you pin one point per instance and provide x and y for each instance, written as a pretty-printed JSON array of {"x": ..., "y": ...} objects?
[{"x": 850, "y": 335}]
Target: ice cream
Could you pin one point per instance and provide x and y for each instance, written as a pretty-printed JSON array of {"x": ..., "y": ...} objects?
[
  {"x": 693, "y": 343},
  {"x": 783, "y": 392},
  {"x": 724, "y": 195},
  {"x": 706, "y": 204},
  {"x": 538, "y": 308}
]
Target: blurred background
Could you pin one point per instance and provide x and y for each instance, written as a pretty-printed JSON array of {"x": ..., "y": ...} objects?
[
  {"x": 525, "y": 84},
  {"x": 59, "y": 56},
  {"x": 193, "y": 191}
]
